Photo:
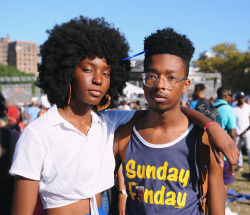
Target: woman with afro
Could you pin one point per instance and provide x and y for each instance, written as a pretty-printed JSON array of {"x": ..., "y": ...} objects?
[{"x": 66, "y": 155}]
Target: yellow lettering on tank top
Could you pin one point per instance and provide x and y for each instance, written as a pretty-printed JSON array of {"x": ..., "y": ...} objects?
[
  {"x": 141, "y": 171},
  {"x": 184, "y": 179},
  {"x": 149, "y": 194},
  {"x": 159, "y": 196},
  {"x": 181, "y": 202},
  {"x": 151, "y": 169},
  {"x": 130, "y": 166},
  {"x": 174, "y": 175},
  {"x": 171, "y": 198},
  {"x": 130, "y": 187},
  {"x": 162, "y": 171}
]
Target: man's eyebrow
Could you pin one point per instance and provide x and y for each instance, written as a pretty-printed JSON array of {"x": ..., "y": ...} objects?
[
  {"x": 171, "y": 71},
  {"x": 166, "y": 71}
]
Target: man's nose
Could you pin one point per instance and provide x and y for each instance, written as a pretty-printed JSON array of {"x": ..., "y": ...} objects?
[{"x": 161, "y": 84}]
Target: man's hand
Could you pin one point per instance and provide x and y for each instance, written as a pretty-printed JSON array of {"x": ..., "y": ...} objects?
[{"x": 220, "y": 141}]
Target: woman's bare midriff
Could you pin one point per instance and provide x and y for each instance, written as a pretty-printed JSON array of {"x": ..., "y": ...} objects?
[{"x": 80, "y": 207}]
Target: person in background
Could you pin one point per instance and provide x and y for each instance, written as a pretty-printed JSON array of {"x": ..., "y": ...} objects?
[
  {"x": 202, "y": 102},
  {"x": 33, "y": 112},
  {"x": 194, "y": 101},
  {"x": 242, "y": 128},
  {"x": 227, "y": 119},
  {"x": 45, "y": 105},
  {"x": 124, "y": 106},
  {"x": 13, "y": 116},
  {"x": 24, "y": 112},
  {"x": 3, "y": 110},
  {"x": 8, "y": 139},
  {"x": 137, "y": 105}
]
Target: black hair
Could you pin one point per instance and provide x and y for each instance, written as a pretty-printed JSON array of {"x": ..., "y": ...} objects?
[
  {"x": 3, "y": 108},
  {"x": 221, "y": 92},
  {"x": 69, "y": 43},
  {"x": 199, "y": 87},
  {"x": 167, "y": 41}
]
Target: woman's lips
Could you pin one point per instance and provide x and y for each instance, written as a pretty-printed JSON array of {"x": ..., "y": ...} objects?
[{"x": 95, "y": 93}]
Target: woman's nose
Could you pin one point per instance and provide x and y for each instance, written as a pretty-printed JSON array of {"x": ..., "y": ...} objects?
[{"x": 97, "y": 78}]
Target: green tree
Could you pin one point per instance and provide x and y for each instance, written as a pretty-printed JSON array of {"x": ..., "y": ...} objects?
[
  {"x": 233, "y": 65},
  {"x": 11, "y": 71}
]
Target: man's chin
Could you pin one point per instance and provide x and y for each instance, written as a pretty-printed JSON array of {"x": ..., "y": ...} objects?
[{"x": 160, "y": 110}]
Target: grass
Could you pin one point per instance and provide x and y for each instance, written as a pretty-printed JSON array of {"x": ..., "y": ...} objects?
[{"x": 241, "y": 185}]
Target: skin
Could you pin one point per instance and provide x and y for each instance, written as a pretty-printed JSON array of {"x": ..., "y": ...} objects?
[
  {"x": 165, "y": 121},
  {"x": 91, "y": 82},
  {"x": 232, "y": 132}
]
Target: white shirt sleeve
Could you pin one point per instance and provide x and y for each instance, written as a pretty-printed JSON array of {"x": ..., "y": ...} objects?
[{"x": 29, "y": 155}]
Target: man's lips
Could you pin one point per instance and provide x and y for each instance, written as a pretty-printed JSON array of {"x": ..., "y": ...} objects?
[
  {"x": 95, "y": 92},
  {"x": 160, "y": 97}
]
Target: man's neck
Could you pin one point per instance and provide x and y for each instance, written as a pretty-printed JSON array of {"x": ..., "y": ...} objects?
[{"x": 170, "y": 118}]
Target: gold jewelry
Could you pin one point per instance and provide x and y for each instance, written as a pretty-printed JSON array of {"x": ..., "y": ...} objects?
[
  {"x": 107, "y": 96},
  {"x": 69, "y": 94}
]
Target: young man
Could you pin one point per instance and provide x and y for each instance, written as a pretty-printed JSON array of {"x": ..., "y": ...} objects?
[
  {"x": 227, "y": 119},
  {"x": 242, "y": 129},
  {"x": 202, "y": 102},
  {"x": 159, "y": 161}
]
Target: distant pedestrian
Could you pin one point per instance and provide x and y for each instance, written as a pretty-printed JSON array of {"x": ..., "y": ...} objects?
[
  {"x": 227, "y": 119},
  {"x": 242, "y": 129},
  {"x": 202, "y": 103},
  {"x": 33, "y": 112}
]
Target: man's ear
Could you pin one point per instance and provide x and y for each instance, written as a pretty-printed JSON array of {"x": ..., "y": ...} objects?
[{"x": 186, "y": 86}]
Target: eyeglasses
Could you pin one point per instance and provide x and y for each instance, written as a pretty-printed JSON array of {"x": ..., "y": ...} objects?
[
  {"x": 229, "y": 95},
  {"x": 151, "y": 79}
]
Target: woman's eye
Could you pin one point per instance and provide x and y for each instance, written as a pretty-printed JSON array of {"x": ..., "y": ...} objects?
[
  {"x": 86, "y": 70},
  {"x": 106, "y": 74}
]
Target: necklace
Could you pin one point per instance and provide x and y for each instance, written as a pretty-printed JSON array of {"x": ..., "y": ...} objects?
[{"x": 78, "y": 125}]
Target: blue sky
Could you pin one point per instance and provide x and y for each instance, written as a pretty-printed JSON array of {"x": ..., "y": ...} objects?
[{"x": 206, "y": 23}]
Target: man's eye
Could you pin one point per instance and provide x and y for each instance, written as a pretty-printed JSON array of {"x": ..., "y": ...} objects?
[
  {"x": 152, "y": 76},
  {"x": 172, "y": 78}
]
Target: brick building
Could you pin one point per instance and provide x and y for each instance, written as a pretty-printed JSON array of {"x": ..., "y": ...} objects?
[{"x": 21, "y": 54}]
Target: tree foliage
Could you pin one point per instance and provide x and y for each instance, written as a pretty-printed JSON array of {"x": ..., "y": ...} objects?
[
  {"x": 233, "y": 65},
  {"x": 11, "y": 71}
]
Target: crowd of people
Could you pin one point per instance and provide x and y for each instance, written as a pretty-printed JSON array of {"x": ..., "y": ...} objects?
[
  {"x": 234, "y": 116},
  {"x": 64, "y": 157}
]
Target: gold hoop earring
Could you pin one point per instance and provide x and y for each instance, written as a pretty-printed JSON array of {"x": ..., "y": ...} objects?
[
  {"x": 69, "y": 94},
  {"x": 98, "y": 107}
]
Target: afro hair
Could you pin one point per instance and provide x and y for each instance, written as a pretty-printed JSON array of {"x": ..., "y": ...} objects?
[
  {"x": 167, "y": 41},
  {"x": 70, "y": 43}
]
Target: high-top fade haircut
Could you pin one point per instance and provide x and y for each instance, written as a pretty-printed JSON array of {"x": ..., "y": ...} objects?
[
  {"x": 167, "y": 41},
  {"x": 68, "y": 44}
]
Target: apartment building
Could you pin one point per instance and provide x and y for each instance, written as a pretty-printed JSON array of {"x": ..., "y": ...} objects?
[
  {"x": 4, "y": 44},
  {"x": 21, "y": 54}
]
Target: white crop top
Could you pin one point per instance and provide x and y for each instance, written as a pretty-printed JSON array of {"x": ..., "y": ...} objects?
[{"x": 69, "y": 165}]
